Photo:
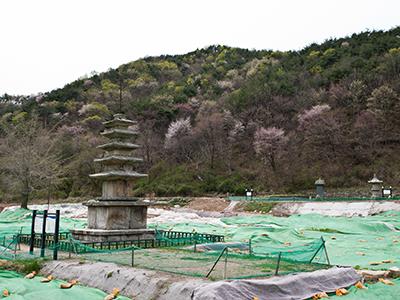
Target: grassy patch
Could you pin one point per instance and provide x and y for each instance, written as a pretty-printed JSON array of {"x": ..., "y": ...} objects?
[
  {"x": 179, "y": 201},
  {"x": 260, "y": 207},
  {"x": 23, "y": 266},
  {"x": 326, "y": 230}
]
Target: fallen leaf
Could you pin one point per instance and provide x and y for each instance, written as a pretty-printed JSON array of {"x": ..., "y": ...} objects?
[
  {"x": 359, "y": 285},
  {"x": 387, "y": 261},
  {"x": 341, "y": 292},
  {"x": 68, "y": 285},
  {"x": 320, "y": 296},
  {"x": 386, "y": 281},
  {"x": 31, "y": 275},
  {"x": 47, "y": 279}
]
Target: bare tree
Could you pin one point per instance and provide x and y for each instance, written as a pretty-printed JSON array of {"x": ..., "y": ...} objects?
[{"x": 29, "y": 158}]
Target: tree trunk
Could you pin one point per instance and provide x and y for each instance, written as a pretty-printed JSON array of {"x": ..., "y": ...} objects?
[
  {"x": 272, "y": 162},
  {"x": 24, "y": 200},
  {"x": 25, "y": 192}
]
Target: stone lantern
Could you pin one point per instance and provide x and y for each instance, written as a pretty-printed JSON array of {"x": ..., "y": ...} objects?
[
  {"x": 117, "y": 215},
  {"x": 320, "y": 187},
  {"x": 376, "y": 187}
]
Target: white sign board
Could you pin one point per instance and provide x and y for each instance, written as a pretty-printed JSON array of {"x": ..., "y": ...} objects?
[
  {"x": 248, "y": 194},
  {"x": 50, "y": 224},
  {"x": 387, "y": 192}
]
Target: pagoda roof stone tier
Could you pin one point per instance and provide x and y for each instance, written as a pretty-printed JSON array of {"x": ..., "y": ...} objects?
[
  {"x": 115, "y": 175},
  {"x": 115, "y": 145},
  {"x": 119, "y": 122},
  {"x": 119, "y": 133},
  {"x": 114, "y": 159},
  {"x": 121, "y": 200}
]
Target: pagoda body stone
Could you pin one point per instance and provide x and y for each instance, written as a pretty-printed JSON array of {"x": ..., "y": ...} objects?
[{"x": 117, "y": 215}]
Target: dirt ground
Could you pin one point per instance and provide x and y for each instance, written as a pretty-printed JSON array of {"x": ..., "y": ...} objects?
[{"x": 208, "y": 204}]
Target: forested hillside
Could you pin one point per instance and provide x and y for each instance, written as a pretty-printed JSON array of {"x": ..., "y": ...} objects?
[{"x": 218, "y": 120}]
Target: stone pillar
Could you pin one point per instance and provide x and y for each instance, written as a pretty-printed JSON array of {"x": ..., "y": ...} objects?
[
  {"x": 376, "y": 187},
  {"x": 320, "y": 188}
]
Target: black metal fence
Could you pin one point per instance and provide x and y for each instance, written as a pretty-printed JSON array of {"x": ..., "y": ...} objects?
[{"x": 163, "y": 239}]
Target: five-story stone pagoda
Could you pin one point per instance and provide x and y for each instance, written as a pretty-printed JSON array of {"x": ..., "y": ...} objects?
[{"x": 117, "y": 215}]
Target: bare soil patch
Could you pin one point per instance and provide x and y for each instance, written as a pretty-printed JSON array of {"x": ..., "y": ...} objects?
[{"x": 208, "y": 204}]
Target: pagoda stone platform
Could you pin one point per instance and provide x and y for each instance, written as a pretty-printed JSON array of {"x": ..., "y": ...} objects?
[{"x": 117, "y": 215}]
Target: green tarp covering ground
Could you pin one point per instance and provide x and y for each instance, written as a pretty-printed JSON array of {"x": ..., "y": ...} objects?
[
  {"x": 13, "y": 221},
  {"x": 350, "y": 241},
  {"x": 374, "y": 292},
  {"x": 28, "y": 289}
]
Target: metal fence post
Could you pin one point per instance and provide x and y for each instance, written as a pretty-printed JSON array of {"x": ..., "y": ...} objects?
[
  {"x": 215, "y": 263},
  {"x": 326, "y": 251},
  {"x": 69, "y": 246},
  {"x": 250, "y": 250},
  {"x": 15, "y": 238},
  {"x": 226, "y": 262},
  {"x": 32, "y": 241},
  {"x": 56, "y": 233},
  {"x": 278, "y": 263},
  {"x": 43, "y": 242}
]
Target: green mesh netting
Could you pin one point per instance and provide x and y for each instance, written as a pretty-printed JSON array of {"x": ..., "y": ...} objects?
[
  {"x": 27, "y": 289},
  {"x": 236, "y": 262},
  {"x": 20, "y": 221},
  {"x": 349, "y": 241},
  {"x": 199, "y": 264}
]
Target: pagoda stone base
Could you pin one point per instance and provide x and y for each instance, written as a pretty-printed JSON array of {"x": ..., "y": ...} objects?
[
  {"x": 100, "y": 235},
  {"x": 117, "y": 215},
  {"x": 112, "y": 221}
]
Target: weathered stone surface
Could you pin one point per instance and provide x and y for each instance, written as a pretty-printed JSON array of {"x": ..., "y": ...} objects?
[
  {"x": 117, "y": 215},
  {"x": 119, "y": 121},
  {"x": 121, "y": 215},
  {"x": 376, "y": 187},
  {"x": 114, "y": 145},
  {"x": 118, "y": 160},
  {"x": 119, "y": 133},
  {"x": 113, "y": 175}
]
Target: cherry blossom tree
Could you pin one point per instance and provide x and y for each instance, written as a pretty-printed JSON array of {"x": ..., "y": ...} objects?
[
  {"x": 178, "y": 139},
  {"x": 268, "y": 143}
]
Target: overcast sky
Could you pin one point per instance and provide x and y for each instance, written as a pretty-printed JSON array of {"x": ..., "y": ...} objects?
[{"x": 45, "y": 44}]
